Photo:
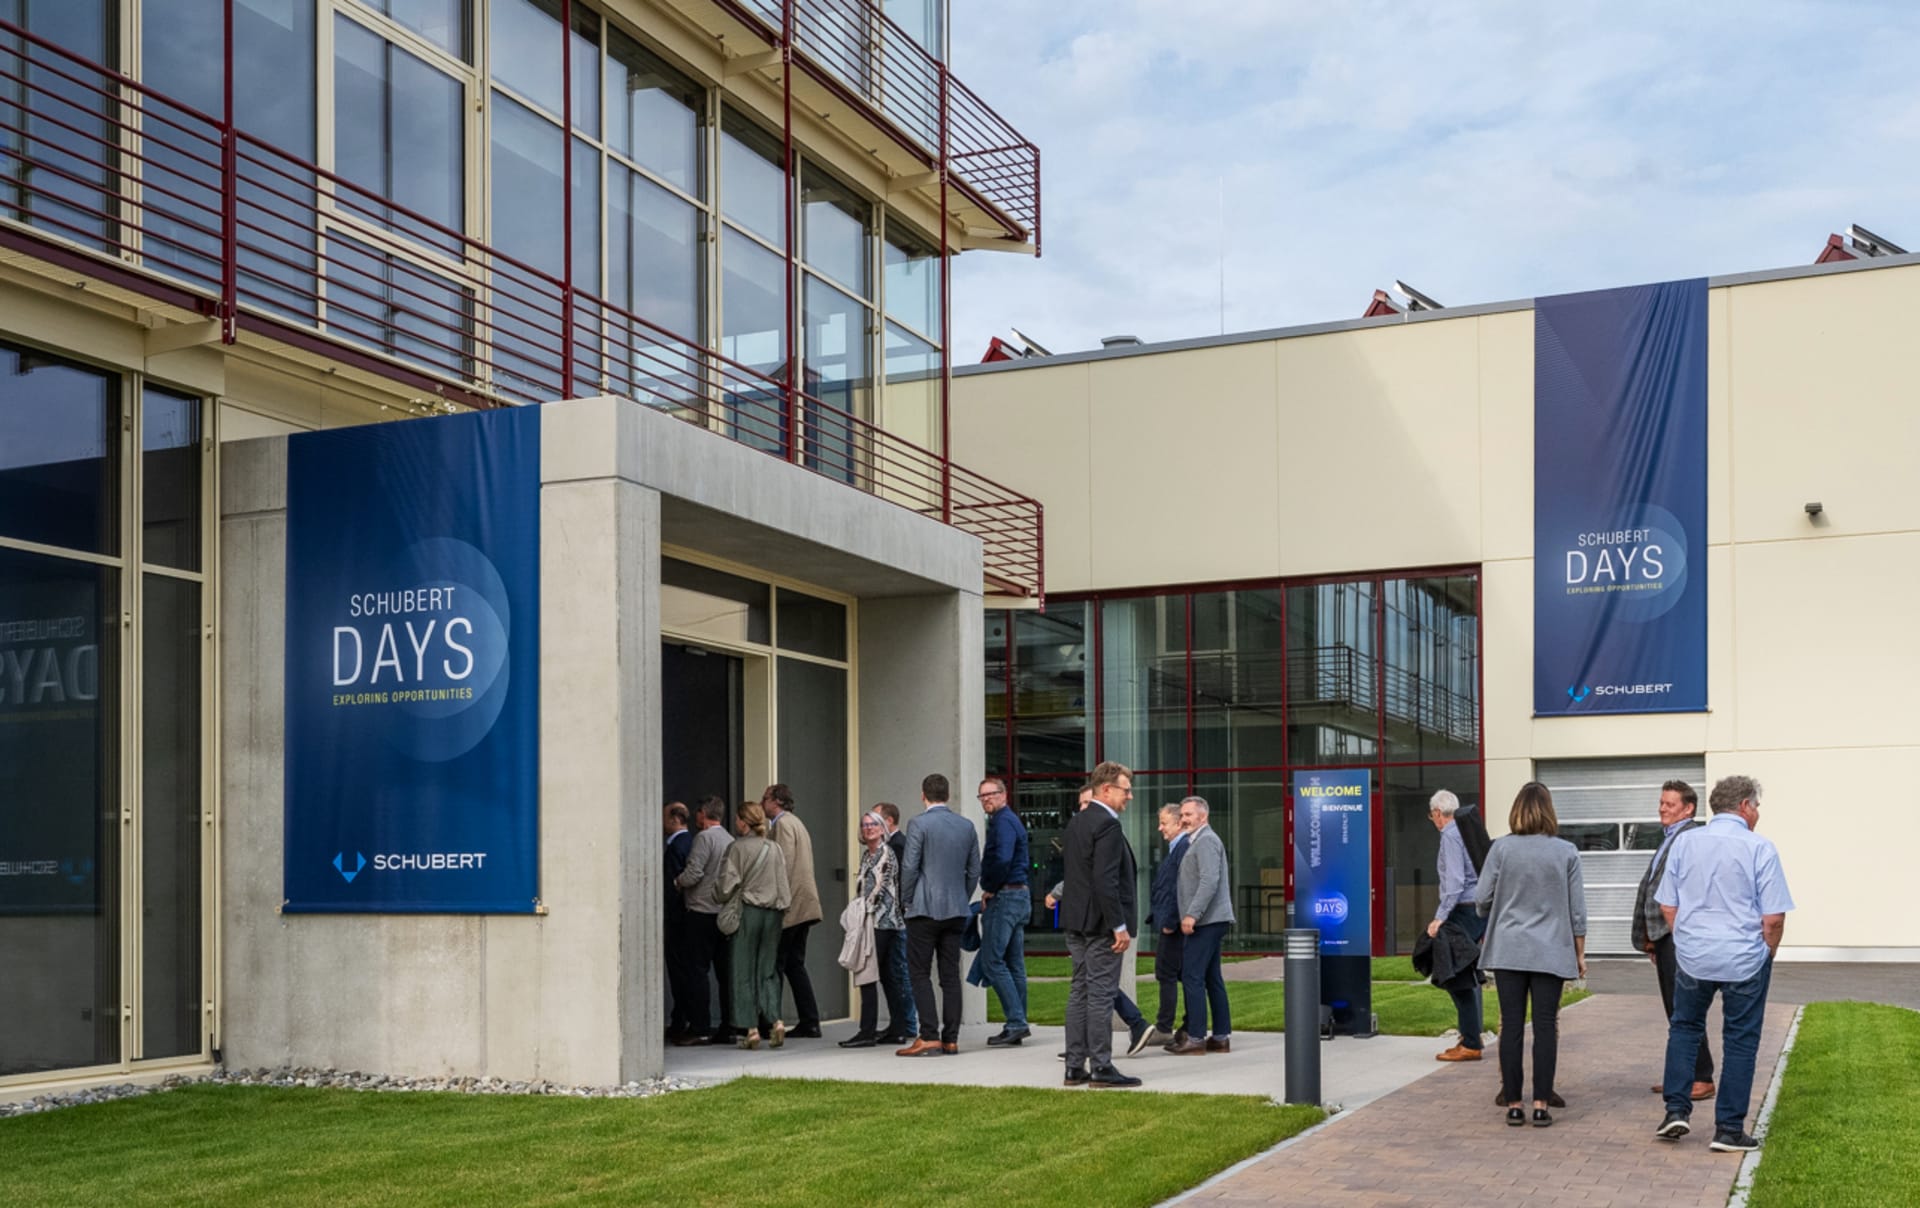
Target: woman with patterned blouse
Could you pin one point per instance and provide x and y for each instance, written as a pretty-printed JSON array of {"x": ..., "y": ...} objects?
[{"x": 879, "y": 884}]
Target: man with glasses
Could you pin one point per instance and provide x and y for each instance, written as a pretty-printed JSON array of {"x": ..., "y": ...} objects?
[
  {"x": 1007, "y": 906},
  {"x": 1679, "y": 813},
  {"x": 1725, "y": 898},
  {"x": 1098, "y": 917}
]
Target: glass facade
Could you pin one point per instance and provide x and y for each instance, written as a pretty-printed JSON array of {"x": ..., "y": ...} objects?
[
  {"x": 1224, "y": 694},
  {"x": 103, "y": 620}
]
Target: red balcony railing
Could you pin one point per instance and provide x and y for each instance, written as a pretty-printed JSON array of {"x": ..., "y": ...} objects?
[
  {"x": 858, "y": 52},
  {"x": 120, "y": 183}
]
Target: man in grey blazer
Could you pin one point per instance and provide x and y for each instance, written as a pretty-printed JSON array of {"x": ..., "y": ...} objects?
[
  {"x": 938, "y": 875},
  {"x": 1206, "y": 911},
  {"x": 1679, "y": 813}
]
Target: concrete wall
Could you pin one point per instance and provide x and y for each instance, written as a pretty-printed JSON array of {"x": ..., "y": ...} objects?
[{"x": 1389, "y": 444}]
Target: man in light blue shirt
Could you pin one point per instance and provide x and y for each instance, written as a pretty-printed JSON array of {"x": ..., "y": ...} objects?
[
  {"x": 1457, "y": 882},
  {"x": 1725, "y": 897}
]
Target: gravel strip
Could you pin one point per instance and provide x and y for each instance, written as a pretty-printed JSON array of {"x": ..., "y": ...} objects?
[{"x": 350, "y": 1080}]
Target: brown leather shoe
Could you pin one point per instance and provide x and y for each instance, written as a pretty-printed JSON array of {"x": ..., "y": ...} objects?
[
  {"x": 949, "y": 1047},
  {"x": 1219, "y": 1045},
  {"x": 919, "y": 1048},
  {"x": 1458, "y": 1053},
  {"x": 1702, "y": 1090},
  {"x": 1188, "y": 1048}
]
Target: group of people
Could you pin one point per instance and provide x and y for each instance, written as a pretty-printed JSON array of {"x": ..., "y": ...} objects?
[{"x": 1709, "y": 914}]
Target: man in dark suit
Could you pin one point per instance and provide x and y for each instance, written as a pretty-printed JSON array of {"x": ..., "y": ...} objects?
[
  {"x": 675, "y": 939},
  {"x": 1098, "y": 916},
  {"x": 1679, "y": 813},
  {"x": 1170, "y": 943}
]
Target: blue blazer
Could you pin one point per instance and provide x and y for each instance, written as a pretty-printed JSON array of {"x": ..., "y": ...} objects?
[{"x": 1165, "y": 898}]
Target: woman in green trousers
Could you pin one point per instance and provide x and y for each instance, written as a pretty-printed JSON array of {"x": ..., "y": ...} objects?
[{"x": 755, "y": 870}]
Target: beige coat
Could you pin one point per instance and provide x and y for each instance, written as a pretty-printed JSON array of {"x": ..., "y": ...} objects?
[{"x": 791, "y": 837}]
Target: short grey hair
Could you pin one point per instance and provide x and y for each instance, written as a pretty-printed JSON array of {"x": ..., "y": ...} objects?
[
  {"x": 1730, "y": 791},
  {"x": 1444, "y": 803},
  {"x": 1170, "y": 808},
  {"x": 1199, "y": 803}
]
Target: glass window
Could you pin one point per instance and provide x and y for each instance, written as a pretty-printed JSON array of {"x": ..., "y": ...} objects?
[
  {"x": 59, "y": 829},
  {"x": 1430, "y": 643},
  {"x": 398, "y": 131},
  {"x": 911, "y": 404},
  {"x": 835, "y": 227},
  {"x": 812, "y": 761},
  {"x": 1593, "y": 836},
  {"x": 524, "y": 50},
  {"x": 1248, "y": 810},
  {"x": 56, "y": 175},
  {"x": 653, "y": 114},
  {"x": 1411, "y": 864},
  {"x": 752, "y": 299},
  {"x": 912, "y": 282},
  {"x": 1046, "y": 806},
  {"x": 445, "y": 23},
  {"x": 1333, "y": 714},
  {"x": 925, "y": 21},
  {"x": 1236, "y": 680},
  {"x": 654, "y": 269},
  {"x": 528, "y": 190},
  {"x": 752, "y": 183},
  {"x": 812, "y": 626},
  {"x": 1644, "y": 836},
  {"x": 171, "y": 826},
  {"x": 59, "y": 452},
  {"x": 999, "y": 700},
  {"x": 1053, "y": 717},
  {"x": 838, "y": 361},
  {"x": 400, "y": 308},
  {"x": 586, "y": 70},
  {"x": 1144, "y": 681},
  {"x": 697, "y": 600},
  {"x": 170, "y": 476}
]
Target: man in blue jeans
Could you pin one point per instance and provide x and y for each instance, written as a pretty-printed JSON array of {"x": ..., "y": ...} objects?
[
  {"x": 1458, "y": 878},
  {"x": 1726, "y": 899},
  {"x": 899, "y": 1031},
  {"x": 1007, "y": 905}
]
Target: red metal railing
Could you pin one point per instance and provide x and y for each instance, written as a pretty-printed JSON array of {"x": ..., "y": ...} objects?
[
  {"x": 119, "y": 182},
  {"x": 857, "y": 51}
]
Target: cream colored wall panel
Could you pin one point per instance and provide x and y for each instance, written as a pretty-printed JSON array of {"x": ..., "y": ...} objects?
[
  {"x": 1847, "y": 893},
  {"x": 1719, "y": 417},
  {"x": 1506, "y": 628},
  {"x": 1620, "y": 734},
  {"x": 1029, "y": 431},
  {"x": 1504, "y": 778},
  {"x": 1825, "y": 383},
  {"x": 1381, "y": 429},
  {"x": 1723, "y": 713},
  {"x": 1827, "y": 651},
  {"x": 1506, "y": 435},
  {"x": 1185, "y": 461},
  {"x": 239, "y": 424}
]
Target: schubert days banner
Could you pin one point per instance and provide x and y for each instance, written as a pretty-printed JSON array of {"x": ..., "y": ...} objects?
[
  {"x": 1620, "y": 501},
  {"x": 412, "y": 727}
]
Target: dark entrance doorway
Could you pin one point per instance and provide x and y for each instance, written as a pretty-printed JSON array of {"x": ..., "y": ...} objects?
[{"x": 702, "y": 713}]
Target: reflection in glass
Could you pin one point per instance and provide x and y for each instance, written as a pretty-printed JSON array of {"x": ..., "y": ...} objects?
[
  {"x": 698, "y": 601},
  {"x": 752, "y": 297},
  {"x": 1430, "y": 640},
  {"x": 653, "y": 114},
  {"x": 1046, "y": 806},
  {"x": 654, "y": 270},
  {"x": 752, "y": 183},
  {"x": 910, "y": 407},
  {"x": 808, "y": 625},
  {"x": 1144, "y": 680},
  {"x": 398, "y": 131},
  {"x": 1412, "y": 875},
  {"x": 445, "y": 23},
  {"x": 528, "y": 192},
  {"x": 998, "y": 761},
  {"x": 398, "y": 307},
  {"x": 812, "y": 761},
  {"x": 912, "y": 280},
  {"x": 1248, "y": 810},
  {"x": 922, "y": 20},
  {"x": 59, "y": 828},
  {"x": 834, "y": 230},
  {"x": 1592, "y": 836},
  {"x": 1333, "y": 714},
  {"x": 839, "y": 374},
  {"x": 1053, "y": 730},
  {"x": 59, "y": 452},
  {"x": 58, "y": 175},
  {"x": 524, "y": 50},
  {"x": 1236, "y": 680},
  {"x": 171, "y": 826},
  {"x": 170, "y": 471}
]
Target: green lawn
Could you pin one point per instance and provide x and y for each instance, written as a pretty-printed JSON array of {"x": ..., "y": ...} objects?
[
  {"x": 749, "y": 1142},
  {"x": 1847, "y": 1124},
  {"x": 1404, "y": 1010},
  {"x": 1385, "y": 968}
]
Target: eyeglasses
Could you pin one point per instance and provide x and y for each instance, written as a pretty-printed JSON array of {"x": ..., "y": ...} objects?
[
  {"x": 989, "y": 796},
  {"x": 865, "y": 825}
]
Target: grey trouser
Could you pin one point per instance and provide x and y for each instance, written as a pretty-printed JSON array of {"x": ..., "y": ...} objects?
[{"x": 1096, "y": 976}]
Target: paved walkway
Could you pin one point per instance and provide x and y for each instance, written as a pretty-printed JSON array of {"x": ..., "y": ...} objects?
[{"x": 1440, "y": 1139}]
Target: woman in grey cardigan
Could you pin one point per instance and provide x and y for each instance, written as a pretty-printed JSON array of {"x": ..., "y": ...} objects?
[
  {"x": 1536, "y": 906},
  {"x": 754, "y": 869}
]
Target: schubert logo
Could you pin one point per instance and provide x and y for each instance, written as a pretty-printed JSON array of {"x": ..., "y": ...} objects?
[
  {"x": 1582, "y": 691},
  {"x": 340, "y": 865},
  {"x": 1578, "y": 692},
  {"x": 1332, "y": 908}
]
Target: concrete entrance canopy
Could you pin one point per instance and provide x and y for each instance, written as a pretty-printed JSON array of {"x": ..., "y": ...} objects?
[{"x": 573, "y": 995}]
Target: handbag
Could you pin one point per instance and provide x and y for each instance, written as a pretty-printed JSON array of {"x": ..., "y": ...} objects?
[{"x": 729, "y": 920}]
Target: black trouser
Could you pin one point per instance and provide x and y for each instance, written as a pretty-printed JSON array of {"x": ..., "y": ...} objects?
[
  {"x": 707, "y": 950},
  {"x": 884, "y": 940},
  {"x": 1166, "y": 971},
  {"x": 689, "y": 1005},
  {"x": 927, "y": 938},
  {"x": 1515, "y": 988},
  {"x": 1665, "y": 964},
  {"x": 791, "y": 961}
]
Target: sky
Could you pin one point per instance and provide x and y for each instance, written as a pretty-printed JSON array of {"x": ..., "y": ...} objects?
[{"x": 1479, "y": 150}]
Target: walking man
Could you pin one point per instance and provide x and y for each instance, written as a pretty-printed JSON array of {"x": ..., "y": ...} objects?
[
  {"x": 789, "y": 834},
  {"x": 1008, "y": 905},
  {"x": 1725, "y": 897},
  {"x": 706, "y": 946},
  {"x": 907, "y": 1028},
  {"x": 937, "y": 879},
  {"x": 1679, "y": 813},
  {"x": 1171, "y": 941},
  {"x": 1098, "y": 917},
  {"x": 1457, "y": 883},
  {"x": 1206, "y": 911}
]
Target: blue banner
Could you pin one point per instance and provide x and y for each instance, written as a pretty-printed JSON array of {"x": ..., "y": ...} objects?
[
  {"x": 412, "y": 694},
  {"x": 1333, "y": 858},
  {"x": 1620, "y": 501}
]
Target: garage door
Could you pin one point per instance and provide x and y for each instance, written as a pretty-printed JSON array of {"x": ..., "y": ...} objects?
[{"x": 1609, "y": 809}]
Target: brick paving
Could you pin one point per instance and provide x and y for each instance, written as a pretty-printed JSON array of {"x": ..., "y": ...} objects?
[{"x": 1441, "y": 1140}]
